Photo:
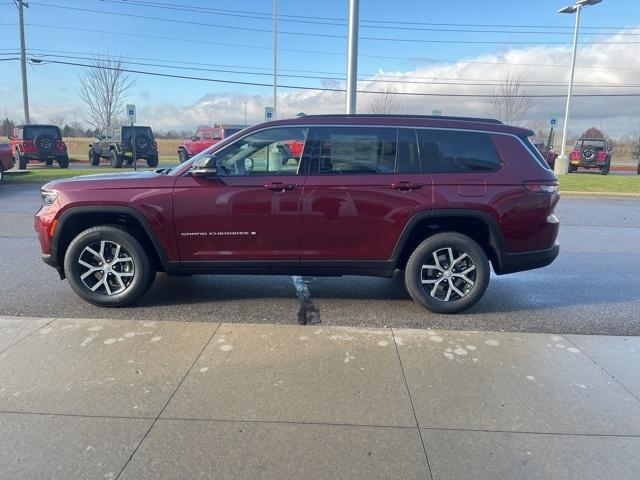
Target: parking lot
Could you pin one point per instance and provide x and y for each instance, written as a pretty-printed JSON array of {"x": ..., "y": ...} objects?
[{"x": 592, "y": 288}]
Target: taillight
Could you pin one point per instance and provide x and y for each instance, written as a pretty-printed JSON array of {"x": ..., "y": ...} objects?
[
  {"x": 575, "y": 155},
  {"x": 541, "y": 187},
  {"x": 602, "y": 155}
]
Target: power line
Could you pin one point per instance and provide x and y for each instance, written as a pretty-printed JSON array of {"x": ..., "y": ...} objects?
[
  {"x": 322, "y": 52},
  {"x": 320, "y": 35},
  {"x": 327, "y": 89},
  {"x": 423, "y": 81},
  {"x": 341, "y": 23}
]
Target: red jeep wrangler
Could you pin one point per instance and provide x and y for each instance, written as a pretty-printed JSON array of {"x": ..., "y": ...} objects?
[
  {"x": 6, "y": 159},
  {"x": 38, "y": 142},
  {"x": 440, "y": 198},
  {"x": 204, "y": 138}
]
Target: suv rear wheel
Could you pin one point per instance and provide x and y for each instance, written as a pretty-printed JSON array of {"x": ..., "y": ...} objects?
[
  {"x": 152, "y": 161},
  {"x": 107, "y": 266},
  {"x": 94, "y": 158},
  {"x": 183, "y": 156},
  {"x": 22, "y": 162},
  {"x": 447, "y": 273},
  {"x": 116, "y": 160},
  {"x": 63, "y": 161}
]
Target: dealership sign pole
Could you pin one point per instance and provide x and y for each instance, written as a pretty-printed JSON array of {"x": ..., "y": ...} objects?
[{"x": 352, "y": 57}]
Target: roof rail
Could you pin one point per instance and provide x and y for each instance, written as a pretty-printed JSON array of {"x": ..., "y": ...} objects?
[{"x": 432, "y": 117}]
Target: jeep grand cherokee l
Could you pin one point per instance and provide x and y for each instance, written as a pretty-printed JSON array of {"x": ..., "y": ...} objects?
[{"x": 439, "y": 198}]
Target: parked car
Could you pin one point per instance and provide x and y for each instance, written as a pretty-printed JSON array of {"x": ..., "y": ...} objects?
[
  {"x": 440, "y": 198},
  {"x": 591, "y": 153},
  {"x": 6, "y": 159},
  {"x": 38, "y": 142},
  {"x": 204, "y": 138},
  {"x": 545, "y": 150},
  {"x": 116, "y": 145}
]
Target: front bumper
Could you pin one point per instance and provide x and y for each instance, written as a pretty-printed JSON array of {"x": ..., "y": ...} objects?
[{"x": 518, "y": 262}]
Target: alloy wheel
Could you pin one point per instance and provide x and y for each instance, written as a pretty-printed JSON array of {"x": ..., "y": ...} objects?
[
  {"x": 107, "y": 267},
  {"x": 451, "y": 276}
]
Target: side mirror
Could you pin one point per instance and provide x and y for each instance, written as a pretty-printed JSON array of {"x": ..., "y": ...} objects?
[{"x": 205, "y": 168}]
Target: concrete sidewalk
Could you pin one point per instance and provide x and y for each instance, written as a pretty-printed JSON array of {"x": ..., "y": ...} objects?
[{"x": 153, "y": 400}]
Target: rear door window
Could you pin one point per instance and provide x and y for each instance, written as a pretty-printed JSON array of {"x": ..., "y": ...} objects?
[
  {"x": 354, "y": 150},
  {"x": 457, "y": 151}
]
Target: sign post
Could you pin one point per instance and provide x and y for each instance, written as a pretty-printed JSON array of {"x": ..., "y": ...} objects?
[
  {"x": 131, "y": 115},
  {"x": 553, "y": 123},
  {"x": 268, "y": 114}
]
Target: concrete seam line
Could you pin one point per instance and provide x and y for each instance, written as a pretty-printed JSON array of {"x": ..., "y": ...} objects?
[
  {"x": 602, "y": 368},
  {"x": 27, "y": 336},
  {"x": 168, "y": 401},
  {"x": 578, "y": 193},
  {"x": 404, "y": 377}
]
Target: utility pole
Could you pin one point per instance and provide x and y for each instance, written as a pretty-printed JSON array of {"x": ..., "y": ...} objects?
[
  {"x": 23, "y": 61},
  {"x": 275, "y": 59},
  {"x": 352, "y": 57},
  {"x": 245, "y": 114}
]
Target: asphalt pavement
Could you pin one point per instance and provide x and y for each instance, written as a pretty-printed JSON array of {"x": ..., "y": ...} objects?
[{"x": 592, "y": 288}]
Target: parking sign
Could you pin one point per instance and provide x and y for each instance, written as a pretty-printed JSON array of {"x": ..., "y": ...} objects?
[
  {"x": 268, "y": 113},
  {"x": 131, "y": 113}
]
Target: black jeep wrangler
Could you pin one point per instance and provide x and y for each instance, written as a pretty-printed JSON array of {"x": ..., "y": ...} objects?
[{"x": 116, "y": 145}]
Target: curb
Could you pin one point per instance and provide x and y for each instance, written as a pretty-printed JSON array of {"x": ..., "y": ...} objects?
[{"x": 600, "y": 194}]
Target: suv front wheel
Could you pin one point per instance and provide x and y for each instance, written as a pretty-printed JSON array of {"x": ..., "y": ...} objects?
[
  {"x": 107, "y": 266},
  {"x": 447, "y": 273}
]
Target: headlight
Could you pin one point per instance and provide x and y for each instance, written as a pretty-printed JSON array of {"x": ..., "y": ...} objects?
[{"x": 48, "y": 196}]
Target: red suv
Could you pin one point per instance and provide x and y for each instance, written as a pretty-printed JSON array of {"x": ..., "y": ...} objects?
[
  {"x": 204, "y": 138},
  {"x": 38, "y": 142},
  {"x": 439, "y": 198}
]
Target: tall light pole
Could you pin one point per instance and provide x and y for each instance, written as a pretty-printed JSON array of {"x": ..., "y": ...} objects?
[
  {"x": 352, "y": 57},
  {"x": 245, "y": 113},
  {"x": 275, "y": 59},
  {"x": 23, "y": 61},
  {"x": 562, "y": 163}
]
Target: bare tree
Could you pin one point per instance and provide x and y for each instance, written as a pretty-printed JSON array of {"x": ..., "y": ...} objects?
[
  {"x": 385, "y": 103},
  {"x": 103, "y": 89},
  {"x": 512, "y": 100},
  {"x": 58, "y": 119}
]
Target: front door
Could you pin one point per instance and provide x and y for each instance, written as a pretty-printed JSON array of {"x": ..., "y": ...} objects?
[
  {"x": 364, "y": 185},
  {"x": 250, "y": 209}
]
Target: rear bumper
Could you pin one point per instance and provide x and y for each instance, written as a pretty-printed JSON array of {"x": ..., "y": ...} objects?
[
  {"x": 43, "y": 156},
  {"x": 518, "y": 262}
]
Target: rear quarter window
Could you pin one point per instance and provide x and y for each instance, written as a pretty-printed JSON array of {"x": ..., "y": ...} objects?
[{"x": 457, "y": 151}]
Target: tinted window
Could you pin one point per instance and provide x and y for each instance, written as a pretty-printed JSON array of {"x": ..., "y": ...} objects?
[
  {"x": 354, "y": 150},
  {"x": 126, "y": 131},
  {"x": 267, "y": 152},
  {"x": 455, "y": 151},
  {"x": 207, "y": 136},
  {"x": 31, "y": 132}
]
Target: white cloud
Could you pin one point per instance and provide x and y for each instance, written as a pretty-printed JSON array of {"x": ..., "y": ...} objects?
[{"x": 616, "y": 62}]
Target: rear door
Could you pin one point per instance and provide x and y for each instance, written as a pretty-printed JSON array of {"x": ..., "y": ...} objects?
[
  {"x": 364, "y": 185},
  {"x": 250, "y": 210}
]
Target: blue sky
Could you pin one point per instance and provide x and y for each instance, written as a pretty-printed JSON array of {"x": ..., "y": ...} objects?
[{"x": 53, "y": 28}]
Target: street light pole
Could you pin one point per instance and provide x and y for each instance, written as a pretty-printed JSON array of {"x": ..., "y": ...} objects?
[
  {"x": 352, "y": 57},
  {"x": 562, "y": 162},
  {"x": 23, "y": 62},
  {"x": 275, "y": 59},
  {"x": 245, "y": 113}
]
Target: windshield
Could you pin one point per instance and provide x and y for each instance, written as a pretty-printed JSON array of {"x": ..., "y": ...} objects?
[
  {"x": 590, "y": 143},
  {"x": 32, "y": 131},
  {"x": 204, "y": 153}
]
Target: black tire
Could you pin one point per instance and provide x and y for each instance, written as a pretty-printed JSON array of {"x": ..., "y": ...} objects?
[
  {"x": 1, "y": 174},
  {"x": 183, "y": 156},
  {"x": 45, "y": 143},
  {"x": 638, "y": 168},
  {"x": 116, "y": 160},
  {"x": 152, "y": 161},
  {"x": 423, "y": 255},
  {"x": 63, "y": 161},
  {"x": 140, "y": 266},
  {"x": 22, "y": 162},
  {"x": 94, "y": 158},
  {"x": 49, "y": 162},
  {"x": 605, "y": 170},
  {"x": 572, "y": 168}
]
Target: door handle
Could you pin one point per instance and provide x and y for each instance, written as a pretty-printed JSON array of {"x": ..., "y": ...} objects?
[
  {"x": 406, "y": 186},
  {"x": 280, "y": 186}
]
